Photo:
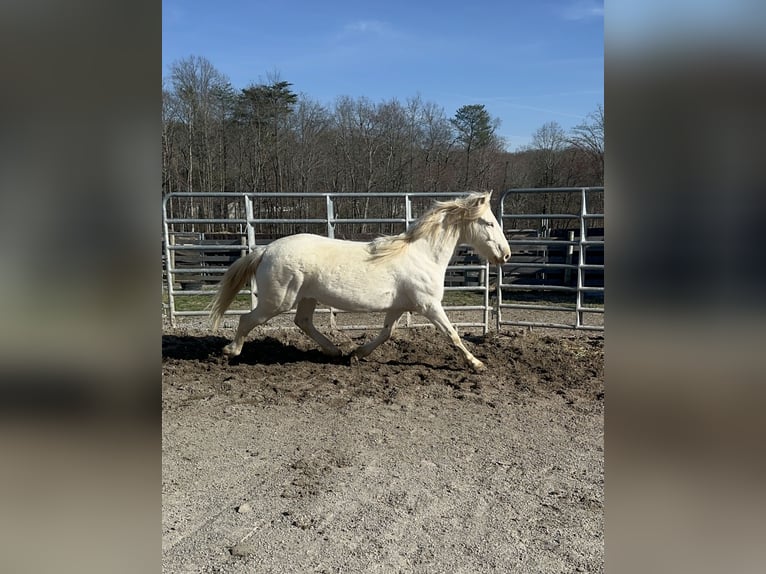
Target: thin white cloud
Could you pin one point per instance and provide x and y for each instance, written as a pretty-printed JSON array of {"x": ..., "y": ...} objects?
[
  {"x": 543, "y": 110},
  {"x": 499, "y": 101},
  {"x": 577, "y": 10},
  {"x": 172, "y": 13},
  {"x": 549, "y": 95},
  {"x": 375, "y": 27}
]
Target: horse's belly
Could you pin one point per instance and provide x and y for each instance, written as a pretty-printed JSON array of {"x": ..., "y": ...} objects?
[
  {"x": 375, "y": 300},
  {"x": 355, "y": 292}
]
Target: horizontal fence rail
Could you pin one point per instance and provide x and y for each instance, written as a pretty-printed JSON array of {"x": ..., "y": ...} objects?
[
  {"x": 557, "y": 259},
  {"x": 203, "y": 233}
]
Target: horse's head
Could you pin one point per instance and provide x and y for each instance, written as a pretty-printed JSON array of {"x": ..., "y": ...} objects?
[{"x": 482, "y": 231}]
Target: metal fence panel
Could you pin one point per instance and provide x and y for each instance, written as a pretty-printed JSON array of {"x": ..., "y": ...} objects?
[
  {"x": 203, "y": 233},
  {"x": 556, "y": 236},
  {"x": 557, "y": 258}
]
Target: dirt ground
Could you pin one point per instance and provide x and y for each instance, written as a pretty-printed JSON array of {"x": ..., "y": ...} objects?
[{"x": 284, "y": 460}]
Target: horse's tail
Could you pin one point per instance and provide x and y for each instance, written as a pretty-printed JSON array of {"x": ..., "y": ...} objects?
[{"x": 233, "y": 280}]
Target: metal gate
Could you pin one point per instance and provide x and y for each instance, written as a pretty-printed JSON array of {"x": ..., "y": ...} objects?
[
  {"x": 203, "y": 233},
  {"x": 555, "y": 277}
]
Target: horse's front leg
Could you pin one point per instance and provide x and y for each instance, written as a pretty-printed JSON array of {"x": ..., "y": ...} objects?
[
  {"x": 435, "y": 313},
  {"x": 389, "y": 324}
]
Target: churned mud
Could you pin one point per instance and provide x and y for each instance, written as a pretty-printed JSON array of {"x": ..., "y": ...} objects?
[{"x": 283, "y": 460}]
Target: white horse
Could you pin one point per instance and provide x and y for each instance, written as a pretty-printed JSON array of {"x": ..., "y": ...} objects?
[{"x": 392, "y": 274}]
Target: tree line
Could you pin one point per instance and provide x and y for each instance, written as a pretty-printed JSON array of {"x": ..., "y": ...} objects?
[{"x": 268, "y": 138}]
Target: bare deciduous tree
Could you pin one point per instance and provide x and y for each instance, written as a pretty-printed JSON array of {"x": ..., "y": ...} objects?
[
  {"x": 547, "y": 144},
  {"x": 199, "y": 100},
  {"x": 588, "y": 139},
  {"x": 268, "y": 138}
]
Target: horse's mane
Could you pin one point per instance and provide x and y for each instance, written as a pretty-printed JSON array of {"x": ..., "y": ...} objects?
[{"x": 445, "y": 218}]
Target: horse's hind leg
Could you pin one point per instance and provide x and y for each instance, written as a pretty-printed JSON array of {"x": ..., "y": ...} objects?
[
  {"x": 389, "y": 324},
  {"x": 304, "y": 319},
  {"x": 247, "y": 323}
]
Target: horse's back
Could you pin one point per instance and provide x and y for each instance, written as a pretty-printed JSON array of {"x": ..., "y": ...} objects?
[
  {"x": 316, "y": 249},
  {"x": 316, "y": 258}
]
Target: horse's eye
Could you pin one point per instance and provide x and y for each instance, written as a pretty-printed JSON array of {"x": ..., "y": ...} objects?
[{"x": 486, "y": 222}]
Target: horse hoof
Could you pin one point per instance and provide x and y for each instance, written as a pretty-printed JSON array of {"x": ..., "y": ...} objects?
[
  {"x": 478, "y": 366},
  {"x": 230, "y": 351}
]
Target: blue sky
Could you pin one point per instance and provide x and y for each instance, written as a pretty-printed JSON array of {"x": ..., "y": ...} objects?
[{"x": 529, "y": 62}]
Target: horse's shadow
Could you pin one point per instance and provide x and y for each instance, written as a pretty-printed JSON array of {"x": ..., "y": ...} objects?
[
  {"x": 266, "y": 351},
  {"x": 271, "y": 351},
  {"x": 190, "y": 348}
]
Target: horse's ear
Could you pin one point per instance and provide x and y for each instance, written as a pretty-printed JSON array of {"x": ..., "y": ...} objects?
[{"x": 476, "y": 200}]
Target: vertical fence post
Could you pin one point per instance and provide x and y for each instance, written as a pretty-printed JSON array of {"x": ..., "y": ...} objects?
[
  {"x": 568, "y": 260},
  {"x": 485, "y": 273},
  {"x": 250, "y": 243},
  {"x": 581, "y": 258},
  {"x": 170, "y": 261},
  {"x": 407, "y": 220},
  {"x": 243, "y": 244},
  {"x": 407, "y": 211},
  {"x": 499, "y": 281},
  {"x": 330, "y": 215}
]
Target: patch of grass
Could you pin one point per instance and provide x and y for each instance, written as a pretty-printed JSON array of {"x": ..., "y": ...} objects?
[
  {"x": 463, "y": 298},
  {"x": 552, "y": 298},
  {"x": 525, "y": 297},
  {"x": 201, "y": 302}
]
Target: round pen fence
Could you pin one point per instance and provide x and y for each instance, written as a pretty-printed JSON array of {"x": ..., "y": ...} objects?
[
  {"x": 555, "y": 277},
  {"x": 203, "y": 233}
]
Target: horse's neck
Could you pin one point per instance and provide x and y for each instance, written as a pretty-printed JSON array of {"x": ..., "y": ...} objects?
[{"x": 438, "y": 249}]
